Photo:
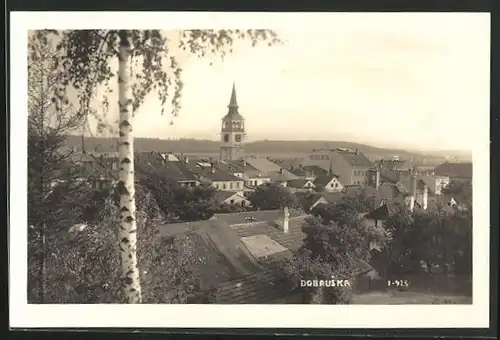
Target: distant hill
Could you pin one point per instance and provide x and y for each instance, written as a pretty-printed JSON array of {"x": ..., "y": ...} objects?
[{"x": 285, "y": 149}]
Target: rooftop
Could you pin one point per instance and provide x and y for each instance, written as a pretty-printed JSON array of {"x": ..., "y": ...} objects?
[
  {"x": 221, "y": 176},
  {"x": 355, "y": 158},
  {"x": 457, "y": 170}
]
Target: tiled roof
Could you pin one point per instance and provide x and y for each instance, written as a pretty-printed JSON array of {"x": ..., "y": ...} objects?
[
  {"x": 278, "y": 177},
  {"x": 258, "y": 288},
  {"x": 355, "y": 158},
  {"x": 152, "y": 157},
  {"x": 297, "y": 183},
  {"x": 268, "y": 168},
  {"x": 396, "y": 164},
  {"x": 323, "y": 180},
  {"x": 242, "y": 165},
  {"x": 291, "y": 240},
  {"x": 256, "y": 216},
  {"x": 332, "y": 197},
  {"x": 221, "y": 176},
  {"x": 225, "y": 256},
  {"x": 387, "y": 175},
  {"x": 307, "y": 199},
  {"x": 458, "y": 170},
  {"x": 221, "y": 196},
  {"x": 174, "y": 170},
  {"x": 387, "y": 209},
  {"x": 288, "y": 163}
]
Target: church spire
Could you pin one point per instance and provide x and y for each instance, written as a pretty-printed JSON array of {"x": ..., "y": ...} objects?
[{"x": 232, "y": 102}]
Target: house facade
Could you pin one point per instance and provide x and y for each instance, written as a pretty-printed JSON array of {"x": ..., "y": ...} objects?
[
  {"x": 233, "y": 198},
  {"x": 224, "y": 181},
  {"x": 351, "y": 167},
  {"x": 435, "y": 183},
  {"x": 328, "y": 183},
  {"x": 300, "y": 185}
]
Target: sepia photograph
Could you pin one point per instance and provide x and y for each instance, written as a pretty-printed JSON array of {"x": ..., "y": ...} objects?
[{"x": 330, "y": 162}]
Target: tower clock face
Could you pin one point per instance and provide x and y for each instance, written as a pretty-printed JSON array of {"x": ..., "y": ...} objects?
[
  {"x": 237, "y": 138},
  {"x": 226, "y": 137}
]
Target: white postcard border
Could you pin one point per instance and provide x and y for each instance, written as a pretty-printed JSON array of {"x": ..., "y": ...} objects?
[{"x": 24, "y": 315}]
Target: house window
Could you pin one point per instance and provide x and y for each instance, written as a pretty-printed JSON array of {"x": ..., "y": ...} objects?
[
  {"x": 336, "y": 185},
  {"x": 231, "y": 185},
  {"x": 331, "y": 185},
  {"x": 231, "y": 201},
  {"x": 216, "y": 186},
  {"x": 255, "y": 183},
  {"x": 243, "y": 203},
  {"x": 226, "y": 138},
  {"x": 224, "y": 185},
  {"x": 237, "y": 138}
]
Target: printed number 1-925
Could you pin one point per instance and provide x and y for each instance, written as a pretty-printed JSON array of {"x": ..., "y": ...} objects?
[{"x": 398, "y": 283}]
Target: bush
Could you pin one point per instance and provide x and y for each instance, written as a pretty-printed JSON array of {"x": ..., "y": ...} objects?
[
  {"x": 84, "y": 266},
  {"x": 432, "y": 242}
]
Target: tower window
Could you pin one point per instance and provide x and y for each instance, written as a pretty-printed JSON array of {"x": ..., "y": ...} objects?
[
  {"x": 226, "y": 138},
  {"x": 237, "y": 138}
]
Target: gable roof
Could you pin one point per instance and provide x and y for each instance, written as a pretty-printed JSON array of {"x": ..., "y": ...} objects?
[
  {"x": 174, "y": 170},
  {"x": 298, "y": 183},
  {"x": 457, "y": 170},
  {"x": 240, "y": 165},
  {"x": 386, "y": 209},
  {"x": 323, "y": 180},
  {"x": 221, "y": 196},
  {"x": 356, "y": 159},
  {"x": 268, "y": 168},
  {"x": 225, "y": 256},
  {"x": 387, "y": 175},
  {"x": 309, "y": 170}
]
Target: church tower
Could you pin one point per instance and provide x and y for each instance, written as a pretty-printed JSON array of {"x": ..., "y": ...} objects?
[{"x": 232, "y": 132}]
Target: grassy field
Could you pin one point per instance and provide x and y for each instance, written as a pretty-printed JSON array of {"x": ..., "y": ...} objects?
[{"x": 408, "y": 297}]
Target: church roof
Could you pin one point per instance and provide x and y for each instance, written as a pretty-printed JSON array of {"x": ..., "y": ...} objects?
[{"x": 233, "y": 113}]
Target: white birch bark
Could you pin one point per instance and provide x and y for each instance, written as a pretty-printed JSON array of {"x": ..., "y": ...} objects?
[{"x": 128, "y": 226}]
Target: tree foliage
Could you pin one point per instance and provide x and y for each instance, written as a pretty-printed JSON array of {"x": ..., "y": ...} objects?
[
  {"x": 155, "y": 68},
  {"x": 460, "y": 191},
  {"x": 332, "y": 250},
  {"x": 271, "y": 197},
  {"x": 180, "y": 203},
  {"x": 86, "y": 63},
  {"x": 431, "y": 241},
  {"x": 83, "y": 266}
]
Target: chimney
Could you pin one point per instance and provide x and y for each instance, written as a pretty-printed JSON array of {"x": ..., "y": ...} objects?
[
  {"x": 186, "y": 160},
  {"x": 244, "y": 163},
  {"x": 286, "y": 216},
  {"x": 182, "y": 157},
  {"x": 212, "y": 167},
  {"x": 377, "y": 177},
  {"x": 424, "y": 199},
  {"x": 357, "y": 151},
  {"x": 281, "y": 171}
]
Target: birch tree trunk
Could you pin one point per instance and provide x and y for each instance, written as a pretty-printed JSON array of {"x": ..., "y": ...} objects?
[{"x": 128, "y": 226}]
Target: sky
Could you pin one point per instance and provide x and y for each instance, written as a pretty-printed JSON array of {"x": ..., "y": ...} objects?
[{"x": 414, "y": 81}]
